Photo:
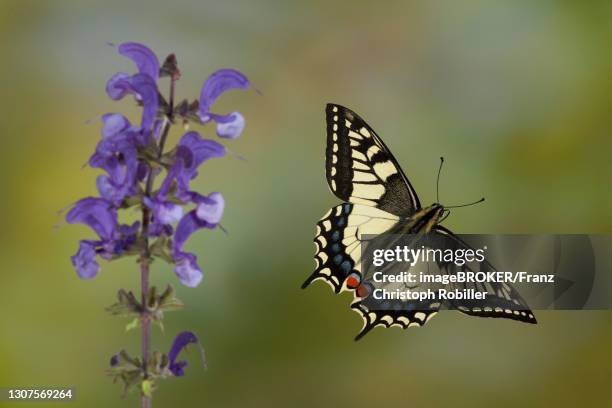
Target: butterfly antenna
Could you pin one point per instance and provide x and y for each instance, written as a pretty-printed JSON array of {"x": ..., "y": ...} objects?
[
  {"x": 440, "y": 222},
  {"x": 438, "y": 180},
  {"x": 466, "y": 205}
]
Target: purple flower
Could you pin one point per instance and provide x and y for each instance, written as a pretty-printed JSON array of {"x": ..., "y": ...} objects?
[
  {"x": 84, "y": 260},
  {"x": 164, "y": 214},
  {"x": 229, "y": 125},
  {"x": 113, "y": 124},
  {"x": 114, "y": 239},
  {"x": 181, "y": 341},
  {"x": 146, "y": 61},
  {"x": 144, "y": 89},
  {"x": 187, "y": 269},
  {"x": 97, "y": 214},
  {"x": 191, "y": 151},
  {"x": 206, "y": 215},
  {"x": 210, "y": 209},
  {"x": 117, "y": 154}
]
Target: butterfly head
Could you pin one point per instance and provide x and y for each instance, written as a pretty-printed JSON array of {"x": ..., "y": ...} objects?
[
  {"x": 438, "y": 213},
  {"x": 434, "y": 214}
]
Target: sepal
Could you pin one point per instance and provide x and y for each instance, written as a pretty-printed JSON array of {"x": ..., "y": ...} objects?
[
  {"x": 126, "y": 369},
  {"x": 162, "y": 249},
  {"x": 126, "y": 305}
]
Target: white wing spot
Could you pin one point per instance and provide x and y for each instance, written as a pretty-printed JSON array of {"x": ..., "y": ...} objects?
[
  {"x": 363, "y": 176},
  {"x": 355, "y": 135},
  {"x": 365, "y": 131},
  {"x": 358, "y": 155},
  {"x": 360, "y": 166},
  {"x": 372, "y": 151},
  {"x": 384, "y": 170},
  {"x": 368, "y": 191}
]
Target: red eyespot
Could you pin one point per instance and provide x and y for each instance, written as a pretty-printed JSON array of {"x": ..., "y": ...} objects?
[
  {"x": 363, "y": 291},
  {"x": 352, "y": 281}
]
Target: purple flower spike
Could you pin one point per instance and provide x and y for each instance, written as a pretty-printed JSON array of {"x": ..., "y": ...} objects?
[
  {"x": 146, "y": 61},
  {"x": 221, "y": 81},
  {"x": 181, "y": 341}
]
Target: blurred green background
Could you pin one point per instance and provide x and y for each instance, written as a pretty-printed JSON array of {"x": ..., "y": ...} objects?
[{"x": 517, "y": 96}]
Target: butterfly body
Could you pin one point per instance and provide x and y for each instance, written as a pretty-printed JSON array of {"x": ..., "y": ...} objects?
[
  {"x": 379, "y": 199},
  {"x": 422, "y": 221}
]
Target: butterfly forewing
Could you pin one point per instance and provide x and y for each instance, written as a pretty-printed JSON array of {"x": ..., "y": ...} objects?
[
  {"x": 501, "y": 300},
  {"x": 361, "y": 169}
]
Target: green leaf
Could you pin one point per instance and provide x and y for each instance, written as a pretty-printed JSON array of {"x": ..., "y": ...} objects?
[
  {"x": 133, "y": 324},
  {"x": 147, "y": 387}
]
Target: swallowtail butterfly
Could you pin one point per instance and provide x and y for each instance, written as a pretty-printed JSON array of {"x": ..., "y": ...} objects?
[{"x": 378, "y": 198}]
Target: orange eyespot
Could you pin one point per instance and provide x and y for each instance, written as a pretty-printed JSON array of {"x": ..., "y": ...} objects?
[{"x": 352, "y": 281}]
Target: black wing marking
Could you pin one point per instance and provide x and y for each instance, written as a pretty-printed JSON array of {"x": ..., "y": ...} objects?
[
  {"x": 361, "y": 169},
  {"x": 338, "y": 241},
  {"x": 502, "y": 300},
  {"x": 397, "y": 313}
]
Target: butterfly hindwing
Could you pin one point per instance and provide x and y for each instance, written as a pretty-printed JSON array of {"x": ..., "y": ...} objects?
[
  {"x": 338, "y": 241},
  {"x": 359, "y": 167},
  {"x": 403, "y": 313},
  {"x": 501, "y": 301}
]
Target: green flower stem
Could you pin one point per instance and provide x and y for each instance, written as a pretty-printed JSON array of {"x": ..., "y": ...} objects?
[{"x": 145, "y": 256}]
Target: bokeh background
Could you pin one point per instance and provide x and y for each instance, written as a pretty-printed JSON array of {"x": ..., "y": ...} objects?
[{"x": 517, "y": 95}]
